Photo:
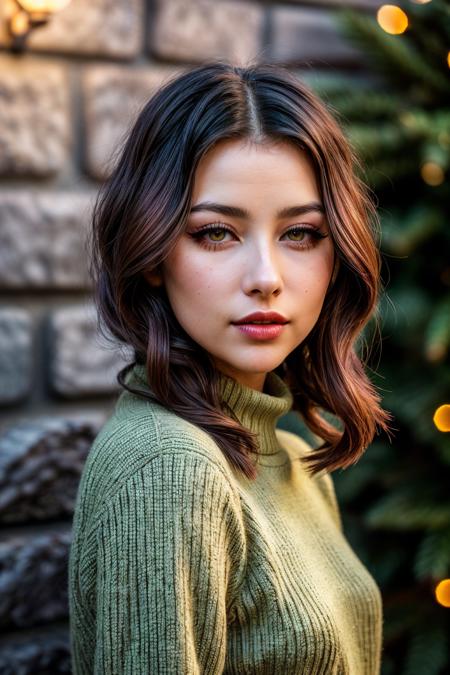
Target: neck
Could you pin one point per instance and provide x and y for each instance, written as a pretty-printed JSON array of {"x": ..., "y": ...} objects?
[
  {"x": 250, "y": 380},
  {"x": 256, "y": 410}
]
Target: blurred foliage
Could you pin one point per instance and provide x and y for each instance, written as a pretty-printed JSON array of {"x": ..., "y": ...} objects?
[{"x": 395, "y": 501}]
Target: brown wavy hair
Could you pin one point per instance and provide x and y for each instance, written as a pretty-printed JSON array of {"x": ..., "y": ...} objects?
[{"x": 142, "y": 210}]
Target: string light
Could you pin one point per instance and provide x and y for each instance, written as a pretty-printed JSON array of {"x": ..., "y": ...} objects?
[
  {"x": 442, "y": 592},
  {"x": 432, "y": 173},
  {"x": 441, "y": 417},
  {"x": 392, "y": 19},
  {"x": 20, "y": 23}
]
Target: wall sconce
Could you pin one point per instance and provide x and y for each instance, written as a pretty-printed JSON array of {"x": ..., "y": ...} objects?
[{"x": 25, "y": 15}]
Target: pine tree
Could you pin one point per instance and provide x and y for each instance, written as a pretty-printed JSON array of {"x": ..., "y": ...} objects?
[{"x": 396, "y": 499}]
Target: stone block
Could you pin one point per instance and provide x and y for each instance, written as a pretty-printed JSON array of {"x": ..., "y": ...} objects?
[
  {"x": 111, "y": 28},
  {"x": 365, "y": 5},
  {"x": 309, "y": 36},
  {"x": 41, "y": 461},
  {"x": 33, "y": 573},
  {"x": 82, "y": 363},
  {"x": 35, "y": 126},
  {"x": 40, "y": 651},
  {"x": 15, "y": 354},
  {"x": 197, "y": 30},
  {"x": 113, "y": 96},
  {"x": 43, "y": 239}
]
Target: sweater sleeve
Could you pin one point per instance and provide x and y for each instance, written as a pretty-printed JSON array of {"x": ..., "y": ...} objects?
[{"x": 170, "y": 556}]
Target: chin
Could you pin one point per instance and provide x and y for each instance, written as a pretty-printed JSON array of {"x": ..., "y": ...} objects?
[{"x": 258, "y": 369}]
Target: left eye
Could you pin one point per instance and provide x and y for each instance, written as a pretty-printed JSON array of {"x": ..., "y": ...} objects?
[{"x": 215, "y": 231}]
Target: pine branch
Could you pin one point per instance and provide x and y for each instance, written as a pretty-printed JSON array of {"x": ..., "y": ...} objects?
[
  {"x": 437, "y": 334},
  {"x": 357, "y": 105},
  {"x": 404, "y": 511},
  {"x": 389, "y": 170},
  {"x": 433, "y": 556},
  {"x": 392, "y": 54},
  {"x": 405, "y": 232},
  {"x": 427, "y": 650}
]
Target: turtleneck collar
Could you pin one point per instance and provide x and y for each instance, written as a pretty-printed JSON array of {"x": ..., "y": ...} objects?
[{"x": 256, "y": 410}]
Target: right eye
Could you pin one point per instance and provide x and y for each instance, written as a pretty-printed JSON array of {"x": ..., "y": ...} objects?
[{"x": 212, "y": 229}]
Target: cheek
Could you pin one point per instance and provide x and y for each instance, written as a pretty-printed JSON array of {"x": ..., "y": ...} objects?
[
  {"x": 187, "y": 279},
  {"x": 312, "y": 279}
]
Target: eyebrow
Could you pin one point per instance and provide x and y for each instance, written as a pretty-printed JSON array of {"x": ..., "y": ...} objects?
[{"x": 238, "y": 212}]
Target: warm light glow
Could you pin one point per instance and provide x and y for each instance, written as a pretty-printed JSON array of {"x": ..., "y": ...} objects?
[
  {"x": 43, "y": 6},
  {"x": 20, "y": 23},
  {"x": 25, "y": 15},
  {"x": 392, "y": 19},
  {"x": 432, "y": 173},
  {"x": 441, "y": 417},
  {"x": 435, "y": 353},
  {"x": 10, "y": 8},
  {"x": 442, "y": 592},
  {"x": 448, "y": 59},
  {"x": 420, "y": 2}
]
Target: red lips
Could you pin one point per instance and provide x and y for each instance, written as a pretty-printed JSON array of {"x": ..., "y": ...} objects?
[{"x": 273, "y": 317}]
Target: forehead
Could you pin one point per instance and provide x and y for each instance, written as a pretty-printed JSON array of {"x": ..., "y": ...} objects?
[{"x": 237, "y": 165}]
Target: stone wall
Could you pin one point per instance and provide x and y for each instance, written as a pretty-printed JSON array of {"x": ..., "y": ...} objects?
[{"x": 65, "y": 105}]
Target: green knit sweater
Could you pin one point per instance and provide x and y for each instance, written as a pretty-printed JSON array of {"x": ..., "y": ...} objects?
[{"x": 180, "y": 565}]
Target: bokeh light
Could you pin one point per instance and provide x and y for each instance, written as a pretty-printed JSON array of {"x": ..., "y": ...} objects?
[
  {"x": 45, "y": 6},
  {"x": 441, "y": 417},
  {"x": 442, "y": 592},
  {"x": 432, "y": 173},
  {"x": 20, "y": 23},
  {"x": 392, "y": 19}
]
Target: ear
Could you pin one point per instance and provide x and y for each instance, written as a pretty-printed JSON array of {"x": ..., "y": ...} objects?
[{"x": 153, "y": 278}]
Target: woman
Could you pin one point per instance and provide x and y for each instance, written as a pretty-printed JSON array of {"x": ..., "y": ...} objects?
[{"x": 206, "y": 540}]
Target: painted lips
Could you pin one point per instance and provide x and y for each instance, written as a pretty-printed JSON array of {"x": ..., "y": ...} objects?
[{"x": 261, "y": 331}]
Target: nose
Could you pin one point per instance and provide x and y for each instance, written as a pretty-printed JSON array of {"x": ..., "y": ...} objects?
[{"x": 262, "y": 272}]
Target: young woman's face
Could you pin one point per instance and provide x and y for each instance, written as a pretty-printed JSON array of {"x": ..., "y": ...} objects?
[{"x": 260, "y": 261}]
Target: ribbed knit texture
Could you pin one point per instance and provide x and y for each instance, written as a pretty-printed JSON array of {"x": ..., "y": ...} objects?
[{"x": 180, "y": 565}]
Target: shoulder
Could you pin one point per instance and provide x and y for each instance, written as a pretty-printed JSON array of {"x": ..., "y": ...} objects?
[
  {"x": 297, "y": 447},
  {"x": 139, "y": 436}
]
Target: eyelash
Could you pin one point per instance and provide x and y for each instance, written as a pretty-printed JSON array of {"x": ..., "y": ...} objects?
[{"x": 218, "y": 227}]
